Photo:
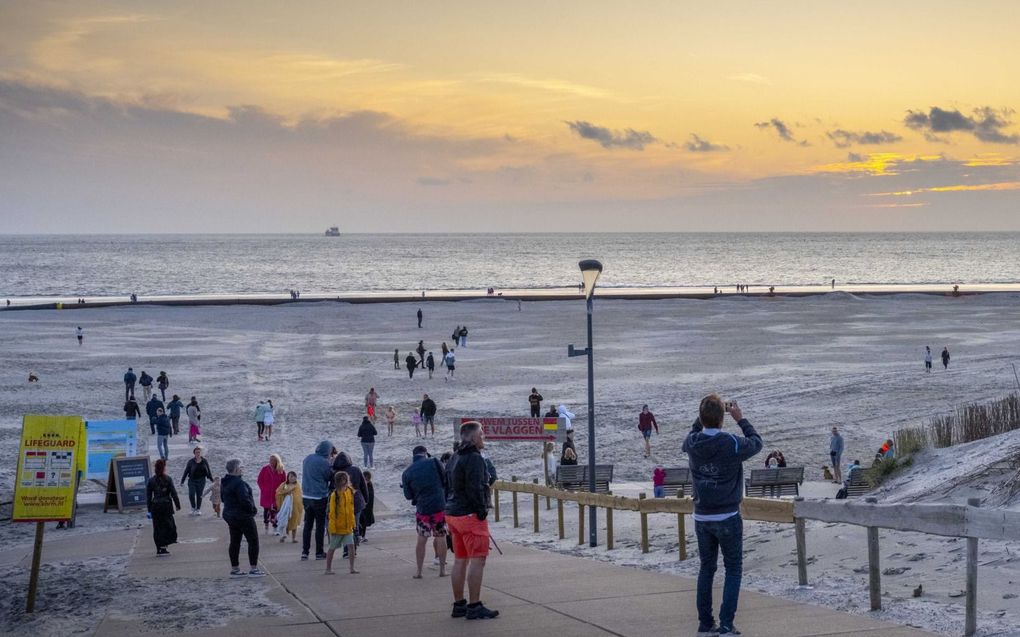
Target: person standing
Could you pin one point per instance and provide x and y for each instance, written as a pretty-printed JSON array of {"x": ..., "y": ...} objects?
[
  {"x": 391, "y": 419},
  {"x": 146, "y": 382},
  {"x": 316, "y": 478},
  {"x": 421, "y": 353},
  {"x": 466, "y": 512},
  {"x": 836, "y": 455},
  {"x": 260, "y": 419},
  {"x": 163, "y": 432},
  {"x": 716, "y": 462},
  {"x": 290, "y": 509},
  {"x": 646, "y": 420},
  {"x": 239, "y": 512},
  {"x": 271, "y": 476},
  {"x": 446, "y": 350},
  {"x": 196, "y": 472},
  {"x": 927, "y": 359},
  {"x": 129, "y": 383},
  {"x": 162, "y": 381},
  {"x": 411, "y": 362},
  {"x": 175, "y": 408},
  {"x": 424, "y": 484},
  {"x": 428, "y": 415},
  {"x": 430, "y": 364},
  {"x": 81, "y": 335},
  {"x": 535, "y": 400},
  {"x": 945, "y": 357},
  {"x": 451, "y": 364},
  {"x": 270, "y": 418},
  {"x": 396, "y": 359},
  {"x": 567, "y": 416},
  {"x": 161, "y": 499},
  {"x": 343, "y": 522},
  {"x": 367, "y": 433},
  {"x": 367, "y": 517},
  {"x": 456, "y": 335},
  {"x": 419, "y": 318},
  {"x": 463, "y": 336},
  {"x": 194, "y": 416},
  {"x": 371, "y": 400},
  {"x": 131, "y": 410},
  {"x": 152, "y": 409}
]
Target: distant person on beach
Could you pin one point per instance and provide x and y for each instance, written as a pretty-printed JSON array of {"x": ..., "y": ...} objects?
[
  {"x": 430, "y": 364},
  {"x": 367, "y": 517},
  {"x": 646, "y": 420},
  {"x": 152, "y": 409},
  {"x": 131, "y": 410},
  {"x": 162, "y": 381},
  {"x": 535, "y": 401},
  {"x": 716, "y": 462},
  {"x": 174, "y": 409},
  {"x": 886, "y": 451},
  {"x": 411, "y": 362},
  {"x": 416, "y": 421},
  {"x": 421, "y": 353},
  {"x": 834, "y": 284},
  {"x": 569, "y": 457},
  {"x": 33, "y": 377},
  {"x": 566, "y": 415},
  {"x": 289, "y": 507},
  {"x": 659, "y": 482},
  {"x": 164, "y": 429},
  {"x": 945, "y": 357},
  {"x": 366, "y": 434},
  {"x": 270, "y": 477},
  {"x": 466, "y": 511},
  {"x": 424, "y": 484},
  {"x": 391, "y": 419},
  {"x": 463, "y": 336},
  {"x": 428, "y": 415},
  {"x": 81, "y": 335},
  {"x": 161, "y": 500},
  {"x": 215, "y": 496},
  {"x": 371, "y": 400},
  {"x": 194, "y": 416},
  {"x": 129, "y": 383},
  {"x": 342, "y": 520},
  {"x": 270, "y": 418},
  {"x": 419, "y": 318},
  {"x": 836, "y": 454},
  {"x": 549, "y": 462},
  {"x": 260, "y": 419},
  {"x": 552, "y": 412},
  {"x": 451, "y": 364},
  {"x": 927, "y": 359},
  {"x": 396, "y": 359},
  {"x": 446, "y": 350},
  {"x": 196, "y": 472},
  {"x": 146, "y": 382},
  {"x": 456, "y": 335},
  {"x": 316, "y": 478},
  {"x": 775, "y": 460},
  {"x": 239, "y": 513}
]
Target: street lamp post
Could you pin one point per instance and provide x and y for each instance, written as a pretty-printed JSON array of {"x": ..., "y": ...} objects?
[{"x": 590, "y": 271}]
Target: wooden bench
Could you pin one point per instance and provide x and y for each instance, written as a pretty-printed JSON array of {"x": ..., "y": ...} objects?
[
  {"x": 677, "y": 482},
  {"x": 575, "y": 477},
  {"x": 858, "y": 484},
  {"x": 774, "y": 483}
]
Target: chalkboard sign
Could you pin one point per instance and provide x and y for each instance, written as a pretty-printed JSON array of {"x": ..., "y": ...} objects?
[{"x": 125, "y": 486}]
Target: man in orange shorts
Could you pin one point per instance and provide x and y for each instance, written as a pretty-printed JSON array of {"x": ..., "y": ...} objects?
[{"x": 466, "y": 510}]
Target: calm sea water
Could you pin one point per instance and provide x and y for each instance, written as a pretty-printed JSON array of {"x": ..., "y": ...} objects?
[{"x": 193, "y": 264}]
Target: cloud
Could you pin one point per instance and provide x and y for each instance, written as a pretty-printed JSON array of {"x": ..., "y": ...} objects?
[
  {"x": 986, "y": 123},
  {"x": 750, "y": 78},
  {"x": 433, "y": 181},
  {"x": 854, "y": 157},
  {"x": 993, "y": 187},
  {"x": 699, "y": 145},
  {"x": 782, "y": 129},
  {"x": 844, "y": 138},
  {"x": 628, "y": 138}
]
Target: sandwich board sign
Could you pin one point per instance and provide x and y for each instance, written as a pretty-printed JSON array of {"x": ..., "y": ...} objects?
[
  {"x": 541, "y": 429},
  {"x": 126, "y": 482},
  {"x": 106, "y": 440}
]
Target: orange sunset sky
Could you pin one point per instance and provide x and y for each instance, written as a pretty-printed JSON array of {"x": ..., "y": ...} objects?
[{"x": 509, "y": 116}]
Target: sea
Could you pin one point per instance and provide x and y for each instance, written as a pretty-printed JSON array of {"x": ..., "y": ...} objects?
[{"x": 117, "y": 265}]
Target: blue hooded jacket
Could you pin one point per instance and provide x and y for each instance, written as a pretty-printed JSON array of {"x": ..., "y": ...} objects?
[
  {"x": 317, "y": 473},
  {"x": 424, "y": 484},
  {"x": 717, "y": 468}
]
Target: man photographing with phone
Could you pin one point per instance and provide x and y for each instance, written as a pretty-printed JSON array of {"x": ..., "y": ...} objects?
[{"x": 716, "y": 459}]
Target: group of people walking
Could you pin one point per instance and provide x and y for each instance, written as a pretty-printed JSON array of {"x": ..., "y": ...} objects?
[
  {"x": 927, "y": 358},
  {"x": 164, "y": 419}
]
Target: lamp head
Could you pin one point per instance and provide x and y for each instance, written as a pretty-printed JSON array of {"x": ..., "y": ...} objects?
[{"x": 590, "y": 271}]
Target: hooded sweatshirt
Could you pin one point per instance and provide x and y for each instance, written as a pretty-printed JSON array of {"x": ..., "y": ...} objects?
[
  {"x": 566, "y": 416},
  {"x": 716, "y": 459},
  {"x": 316, "y": 473},
  {"x": 424, "y": 484},
  {"x": 343, "y": 463},
  {"x": 469, "y": 483}
]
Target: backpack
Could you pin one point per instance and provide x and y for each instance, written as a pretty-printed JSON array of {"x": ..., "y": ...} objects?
[{"x": 841, "y": 494}]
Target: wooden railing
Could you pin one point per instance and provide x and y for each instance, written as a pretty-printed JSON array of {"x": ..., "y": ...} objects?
[{"x": 952, "y": 520}]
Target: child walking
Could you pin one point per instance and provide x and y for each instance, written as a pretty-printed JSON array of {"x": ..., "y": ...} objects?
[
  {"x": 214, "y": 495},
  {"x": 416, "y": 421},
  {"x": 341, "y": 515},
  {"x": 291, "y": 509}
]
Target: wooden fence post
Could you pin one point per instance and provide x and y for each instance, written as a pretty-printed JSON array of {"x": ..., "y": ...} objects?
[
  {"x": 559, "y": 517},
  {"x": 534, "y": 506},
  {"x": 801, "y": 548},
  {"x": 970, "y": 620},
  {"x": 513, "y": 495},
  {"x": 495, "y": 499},
  {"x": 681, "y": 530},
  {"x": 644, "y": 527},
  {"x": 874, "y": 570},
  {"x": 609, "y": 528},
  {"x": 580, "y": 523}
]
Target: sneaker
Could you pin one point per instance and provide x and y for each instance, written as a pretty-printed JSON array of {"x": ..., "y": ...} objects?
[
  {"x": 708, "y": 632},
  {"x": 728, "y": 630},
  {"x": 320, "y": 556},
  {"x": 479, "y": 611},
  {"x": 459, "y": 609},
  {"x": 162, "y": 552},
  {"x": 435, "y": 561},
  {"x": 304, "y": 556},
  {"x": 256, "y": 572},
  {"x": 198, "y": 511},
  {"x": 236, "y": 572}
]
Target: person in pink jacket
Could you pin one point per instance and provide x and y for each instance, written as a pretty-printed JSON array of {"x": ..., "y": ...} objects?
[{"x": 270, "y": 478}]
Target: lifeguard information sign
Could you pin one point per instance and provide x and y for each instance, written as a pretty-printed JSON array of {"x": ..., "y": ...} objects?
[
  {"x": 51, "y": 454},
  {"x": 544, "y": 429}
]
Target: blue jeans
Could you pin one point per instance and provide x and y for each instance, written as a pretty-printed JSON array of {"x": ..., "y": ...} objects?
[
  {"x": 659, "y": 492},
  {"x": 367, "y": 448},
  {"x": 162, "y": 446},
  {"x": 729, "y": 536}
]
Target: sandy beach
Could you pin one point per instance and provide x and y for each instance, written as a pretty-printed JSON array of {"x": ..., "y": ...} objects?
[{"x": 796, "y": 365}]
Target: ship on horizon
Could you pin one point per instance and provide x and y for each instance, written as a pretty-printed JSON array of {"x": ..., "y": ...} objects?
[{"x": 333, "y": 231}]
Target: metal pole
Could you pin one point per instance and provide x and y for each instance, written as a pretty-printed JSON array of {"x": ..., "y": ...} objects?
[
  {"x": 33, "y": 577},
  {"x": 970, "y": 617},
  {"x": 593, "y": 535}
]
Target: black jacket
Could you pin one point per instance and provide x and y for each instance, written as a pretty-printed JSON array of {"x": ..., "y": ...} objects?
[
  {"x": 428, "y": 408},
  {"x": 161, "y": 496},
  {"x": 197, "y": 470},
  {"x": 238, "y": 501},
  {"x": 131, "y": 410},
  {"x": 163, "y": 425},
  {"x": 343, "y": 463},
  {"x": 469, "y": 481},
  {"x": 717, "y": 468},
  {"x": 367, "y": 431}
]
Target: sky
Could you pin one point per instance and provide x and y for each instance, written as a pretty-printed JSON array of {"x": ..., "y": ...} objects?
[{"x": 577, "y": 115}]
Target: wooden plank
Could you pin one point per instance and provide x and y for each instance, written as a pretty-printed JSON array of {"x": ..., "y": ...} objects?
[
  {"x": 495, "y": 499},
  {"x": 644, "y": 527},
  {"x": 970, "y": 616},
  {"x": 937, "y": 519},
  {"x": 514, "y": 498},
  {"x": 874, "y": 570},
  {"x": 580, "y": 524},
  {"x": 767, "y": 510},
  {"x": 559, "y": 517},
  {"x": 534, "y": 508},
  {"x": 801, "y": 551},
  {"x": 609, "y": 529}
]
